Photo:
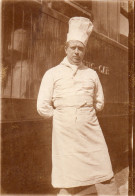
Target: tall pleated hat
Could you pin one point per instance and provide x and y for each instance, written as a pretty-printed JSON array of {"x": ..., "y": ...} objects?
[{"x": 80, "y": 29}]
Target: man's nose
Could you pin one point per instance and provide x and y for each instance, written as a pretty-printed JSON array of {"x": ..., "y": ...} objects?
[{"x": 76, "y": 51}]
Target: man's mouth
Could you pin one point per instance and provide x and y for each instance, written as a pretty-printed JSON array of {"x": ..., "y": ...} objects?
[{"x": 76, "y": 57}]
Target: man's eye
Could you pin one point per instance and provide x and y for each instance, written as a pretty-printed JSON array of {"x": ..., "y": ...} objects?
[
  {"x": 73, "y": 48},
  {"x": 80, "y": 48}
]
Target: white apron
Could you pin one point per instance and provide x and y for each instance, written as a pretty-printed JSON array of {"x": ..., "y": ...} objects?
[{"x": 79, "y": 152}]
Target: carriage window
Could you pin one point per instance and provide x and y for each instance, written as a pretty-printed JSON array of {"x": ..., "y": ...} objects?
[
  {"x": 30, "y": 39},
  {"x": 124, "y": 24},
  {"x": 17, "y": 20}
]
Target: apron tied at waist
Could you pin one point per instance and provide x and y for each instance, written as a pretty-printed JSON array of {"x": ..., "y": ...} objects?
[{"x": 73, "y": 101}]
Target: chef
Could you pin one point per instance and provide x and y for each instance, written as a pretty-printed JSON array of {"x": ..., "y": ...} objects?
[{"x": 71, "y": 93}]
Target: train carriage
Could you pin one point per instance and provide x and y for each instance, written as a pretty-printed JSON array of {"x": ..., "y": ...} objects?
[{"x": 33, "y": 38}]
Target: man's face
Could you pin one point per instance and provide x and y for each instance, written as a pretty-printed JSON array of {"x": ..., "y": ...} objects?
[{"x": 75, "y": 52}]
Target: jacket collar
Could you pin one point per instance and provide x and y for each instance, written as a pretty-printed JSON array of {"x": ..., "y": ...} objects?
[{"x": 73, "y": 67}]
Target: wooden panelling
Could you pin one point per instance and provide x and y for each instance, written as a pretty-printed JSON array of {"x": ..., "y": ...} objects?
[
  {"x": 19, "y": 110},
  {"x": 26, "y": 158},
  {"x": 107, "y": 18},
  {"x": 103, "y": 18},
  {"x": 113, "y": 18},
  {"x": 100, "y": 12},
  {"x": 115, "y": 85},
  {"x": 54, "y": 14},
  {"x": 48, "y": 46},
  {"x": 96, "y": 14},
  {"x": 116, "y": 132},
  {"x": 47, "y": 35}
]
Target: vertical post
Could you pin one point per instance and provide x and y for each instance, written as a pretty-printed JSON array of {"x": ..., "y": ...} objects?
[
  {"x": 22, "y": 50},
  {"x": 118, "y": 20},
  {"x": 131, "y": 64},
  {"x": 2, "y": 22},
  {"x": 30, "y": 53},
  {"x": 107, "y": 18},
  {"x": 12, "y": 43}
]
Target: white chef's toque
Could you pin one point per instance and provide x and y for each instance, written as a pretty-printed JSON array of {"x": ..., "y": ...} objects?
[{"x": 80, "y": 29}]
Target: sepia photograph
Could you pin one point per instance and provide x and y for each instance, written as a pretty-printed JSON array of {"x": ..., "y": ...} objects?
[{"x": 67, "y": 99}]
